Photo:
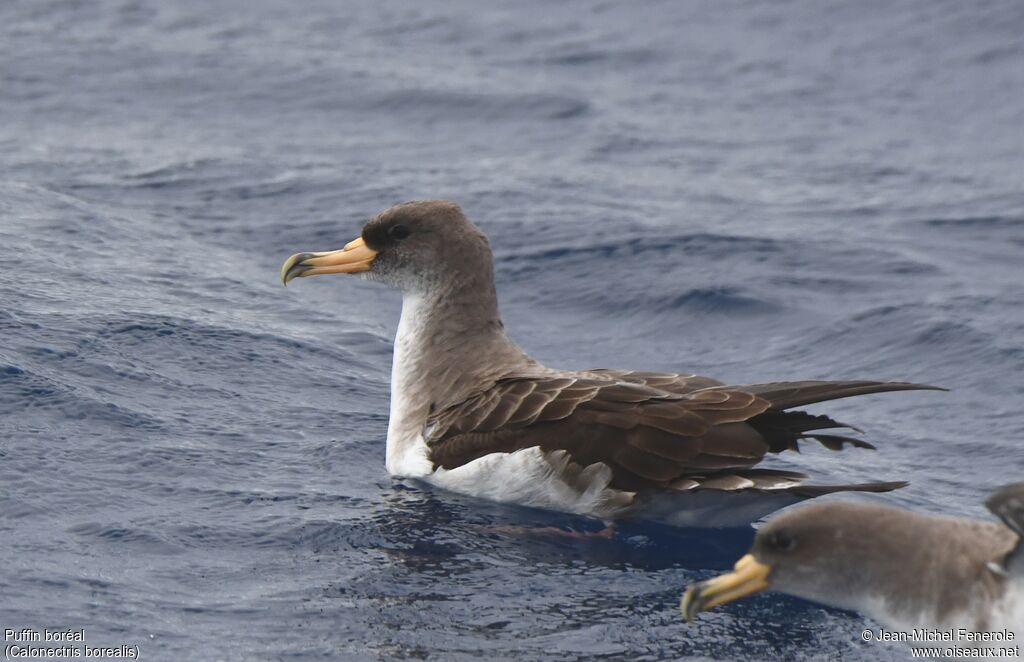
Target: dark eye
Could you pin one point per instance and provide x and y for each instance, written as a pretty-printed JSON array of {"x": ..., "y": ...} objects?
[
  {"x": 780, "y": 541},
  {"x": 398, "y": 232}
]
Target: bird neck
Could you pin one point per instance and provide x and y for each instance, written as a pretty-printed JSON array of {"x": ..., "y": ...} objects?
[{"x": 449, "y": 344}]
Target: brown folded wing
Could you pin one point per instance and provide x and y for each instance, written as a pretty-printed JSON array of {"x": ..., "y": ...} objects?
[{"x": 650, "y": 429}]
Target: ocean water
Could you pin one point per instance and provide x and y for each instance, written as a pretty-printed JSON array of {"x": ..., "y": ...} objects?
[{"x": 191, "y": 456}]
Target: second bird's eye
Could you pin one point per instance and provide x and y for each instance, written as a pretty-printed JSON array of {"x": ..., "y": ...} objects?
[
  {"x": 782, "y": 541},
  {"x": 398, "y": 232}
]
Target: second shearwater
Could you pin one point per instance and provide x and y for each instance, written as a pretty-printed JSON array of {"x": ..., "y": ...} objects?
[{"x": 907, "y": 570}]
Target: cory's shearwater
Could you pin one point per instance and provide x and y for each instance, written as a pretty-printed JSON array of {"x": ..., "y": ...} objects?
[
  {"x": 471, "y": 412},
  {"x": 904, "y": 569}
]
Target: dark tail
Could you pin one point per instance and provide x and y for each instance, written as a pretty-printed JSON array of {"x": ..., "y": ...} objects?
[{"x": 784, "y": 429}]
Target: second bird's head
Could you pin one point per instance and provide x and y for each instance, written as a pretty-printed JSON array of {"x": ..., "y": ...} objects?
[{"x": 421, "y": 246}]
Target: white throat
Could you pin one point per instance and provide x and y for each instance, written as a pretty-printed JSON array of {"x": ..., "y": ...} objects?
[{"x": 410, "y": 401}]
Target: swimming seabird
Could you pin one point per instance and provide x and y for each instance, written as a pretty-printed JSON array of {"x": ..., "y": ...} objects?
[
  {"x": 904, "y": 569},
  {"x": 473, "y": 413}
]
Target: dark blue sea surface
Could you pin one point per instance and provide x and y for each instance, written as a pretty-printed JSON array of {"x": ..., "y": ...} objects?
[{"x": 192, "y": 457}]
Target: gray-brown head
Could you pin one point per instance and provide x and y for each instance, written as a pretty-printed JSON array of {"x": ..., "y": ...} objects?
[
  {"x": 862, "y": 556},
  {"x": 420, "y": 247}
]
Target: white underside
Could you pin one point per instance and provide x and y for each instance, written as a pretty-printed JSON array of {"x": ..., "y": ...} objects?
[
  {"x": 526, "y": 477},
  {"x": 530, "y": 477}
]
